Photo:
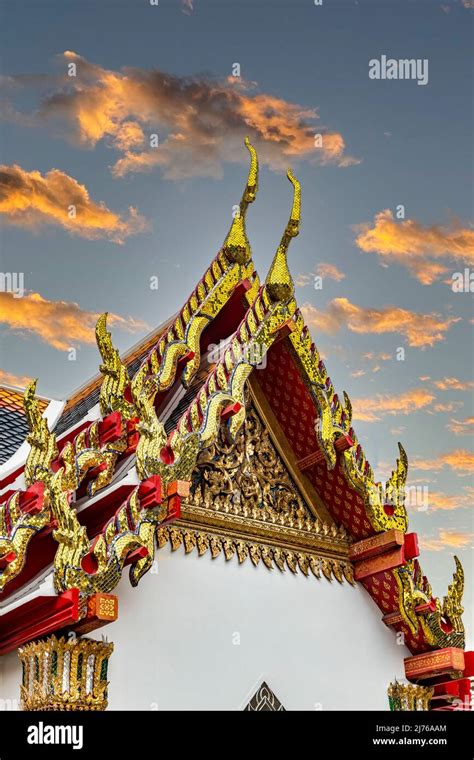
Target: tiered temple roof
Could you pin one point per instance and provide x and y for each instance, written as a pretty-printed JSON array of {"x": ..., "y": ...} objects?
[{"x": 123, "y": 468}]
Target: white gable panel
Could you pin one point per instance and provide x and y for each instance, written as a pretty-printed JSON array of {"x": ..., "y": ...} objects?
[{"x": 204, "y": 634}]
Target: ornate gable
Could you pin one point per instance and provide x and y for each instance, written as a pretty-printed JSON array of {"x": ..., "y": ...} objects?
[{"x": 245, "y": 502}]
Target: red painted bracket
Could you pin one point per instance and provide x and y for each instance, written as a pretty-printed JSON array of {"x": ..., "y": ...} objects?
[
  {"x": 150, "y": 492},
  {"x": 32, "y": 500},
  {"x": 343, "y": 443},
  {"x": 382, "y": 552},
  {"x": 230, "y": 410},
  {"x": 110, "y": 428},
  {"x": 38, "y": 617}
]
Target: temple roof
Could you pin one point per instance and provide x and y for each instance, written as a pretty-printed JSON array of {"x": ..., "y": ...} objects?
[
  {"x": 87, "y": 396},
  {"x": 164, "y": 405},
  {"x": 13, "y": 423}
]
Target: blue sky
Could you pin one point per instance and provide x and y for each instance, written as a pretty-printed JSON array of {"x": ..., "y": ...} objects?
[{"x": 404, "y": 143}]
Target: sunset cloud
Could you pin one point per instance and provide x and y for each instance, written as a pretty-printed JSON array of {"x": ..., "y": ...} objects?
[
  {"x": 461, "y": 427},
  {"x": 451, "y": 406},
  {"x": 329, "y": 271},
  {"x": 446, "y": 539},
  {"x": 460, "y": 461},
  {"x": 61, "y": 324},
  {"x": 32, "y": 200},
  {"x": 453, "y": 384},
  {"x": 420, "y": 330},
  {"x": 200, "y": 122},
  {"x": 442, "y": 501},
  {"x": 424, "y": 251},
  {"x": 18, "y": 381},
  {"x": 374, "y": 408}
]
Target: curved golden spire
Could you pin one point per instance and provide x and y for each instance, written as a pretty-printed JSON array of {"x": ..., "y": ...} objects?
[
  {"x": 279, "y": 283},
  {"x": 236, "y": 245}
]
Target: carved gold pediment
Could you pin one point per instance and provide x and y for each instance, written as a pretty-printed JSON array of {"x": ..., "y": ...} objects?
[{"x": 246, "y": 501}]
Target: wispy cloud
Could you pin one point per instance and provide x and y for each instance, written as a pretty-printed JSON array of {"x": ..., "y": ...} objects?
[
  {"x": 461, "y": 427},
  {"x": 374, "y": 408},
  {"x": 446, "y": 539},
  {"x": 453, "y": 384},
  {"x": 32, "y": 200},
  {"x": 200, "y": 122},
  {"x": 61, "y": 324},
  {"x": 424, "y": 251},
  {"x": 18, "y": 381},
  {"x": 420, "y": 330},
  {"x": 323, "y": 270},
  {"x": 441, "y": 501},
  {"x": 460, "y": 461}
]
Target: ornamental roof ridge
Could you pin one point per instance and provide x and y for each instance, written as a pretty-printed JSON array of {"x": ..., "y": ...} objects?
[{"x": 130, "y": 424}]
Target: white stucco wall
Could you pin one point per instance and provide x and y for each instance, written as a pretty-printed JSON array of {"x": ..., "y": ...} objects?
[{"x": 319, "y": 645}]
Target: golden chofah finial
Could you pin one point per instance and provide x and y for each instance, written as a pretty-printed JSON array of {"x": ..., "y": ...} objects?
[
  {"x": 236, "y": 245},
  {"x": 279, "y": 283}
]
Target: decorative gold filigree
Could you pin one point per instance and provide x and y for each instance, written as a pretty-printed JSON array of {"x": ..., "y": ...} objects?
[
  {"x": 407, "y": 697},
  {"x": 334, "y": 419},
  {"x": 224, "y": 388},
  {"x": 232, "y": 265},
  {"x": 271, "y": 556},
  {"x": 97, "y": 565},
  {"x": 279, "y": 282},
  {"x": 65, "y": 675},
  {"x": 384, "y": 506},
  {"x": 85, "y": 454},
  {"x": 442, "y": 627},
  {"x": 17, "y": 527},
  {"x": 43, "y": 447},
  {"x": 116, "y": 379},
  {"x": 244, "y": 503}
]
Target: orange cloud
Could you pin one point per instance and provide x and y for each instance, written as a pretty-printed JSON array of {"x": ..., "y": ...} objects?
[
  {"x": 424, "y": 251},
  {"x": 441, "y": 501},
  {"x": 199, "y": 122},
  {"x": 18, "y": 381},
  {"x": 453, "y": 384},
  {"x": 30, "y": 200},
  {"x": 61, "y": 324},
  {"x": 460, "y": 461},
  {"x": 330, "y": 271},
  {"x": 420, "y": 330},
  {"x": 373, "y": 408},
  {"x": 452, "y": 406},
  {"x": 322, "y": 270},
  {"x": 451, "y": 539},
  {"x": 463, "y": 427}
]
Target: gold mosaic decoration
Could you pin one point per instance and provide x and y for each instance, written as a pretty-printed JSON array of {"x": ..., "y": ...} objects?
[
  {"x": 17, "y": 528},
  {"x": 244, "y": 503},
  {"x": 116, "y": 379},
  {"x": 443, "y": 627},
  {"x": 271, "y": 555},
  {"x": 407, "y": 697},
  {"x": 268, "y": 523},
  {"x": 60, "y": 674},
  {"x": 384, "y": 506},
  {"x": 224, "y": 388},
  {"x": 131, "y": 528},
  {"x": 232, "y": 265}
]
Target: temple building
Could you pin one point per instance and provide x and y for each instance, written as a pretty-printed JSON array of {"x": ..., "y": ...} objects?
[{"x": 198, "y": 526}]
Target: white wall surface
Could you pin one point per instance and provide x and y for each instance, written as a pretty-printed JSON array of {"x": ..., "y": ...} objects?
[{"x": 319, "y": 645}]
